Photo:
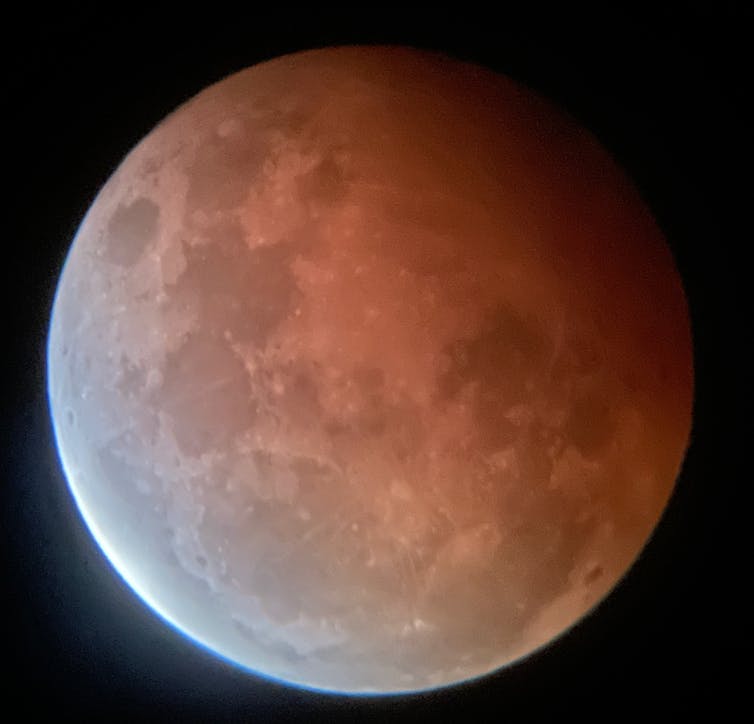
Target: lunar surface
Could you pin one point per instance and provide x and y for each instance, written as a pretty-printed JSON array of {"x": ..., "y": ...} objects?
[{"x": 370, "y": 371}]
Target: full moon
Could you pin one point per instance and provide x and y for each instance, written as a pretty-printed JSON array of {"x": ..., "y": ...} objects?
[{"x": 370, "y": 370}]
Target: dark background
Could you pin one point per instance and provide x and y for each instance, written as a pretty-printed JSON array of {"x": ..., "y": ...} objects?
[{"x": 666, "y": 93}]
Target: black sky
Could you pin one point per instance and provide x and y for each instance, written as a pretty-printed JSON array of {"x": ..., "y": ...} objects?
[{"x": 664, "y": 91}]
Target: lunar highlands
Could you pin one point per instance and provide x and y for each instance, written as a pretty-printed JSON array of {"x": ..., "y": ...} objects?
[{"x": 370, "y": 370}]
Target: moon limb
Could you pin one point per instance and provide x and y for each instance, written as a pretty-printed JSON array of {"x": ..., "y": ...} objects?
[{"x": 479, "y": 438}]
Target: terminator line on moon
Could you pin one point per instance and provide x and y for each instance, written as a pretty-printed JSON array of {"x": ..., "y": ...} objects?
[{"x": 370, "y": 371}]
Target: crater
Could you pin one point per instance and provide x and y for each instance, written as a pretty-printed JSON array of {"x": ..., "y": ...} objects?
[{"x": 593, "y": 574}]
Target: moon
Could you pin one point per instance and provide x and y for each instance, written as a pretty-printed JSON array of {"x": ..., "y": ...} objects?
[{"x": 370, "y": 370}]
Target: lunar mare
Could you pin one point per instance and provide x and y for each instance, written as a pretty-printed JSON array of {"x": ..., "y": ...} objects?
[{"x": 370, "y": 370}]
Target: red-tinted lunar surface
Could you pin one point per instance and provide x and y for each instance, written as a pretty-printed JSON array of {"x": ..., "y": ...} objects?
[{"x": 370, "y": 371}]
